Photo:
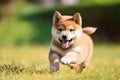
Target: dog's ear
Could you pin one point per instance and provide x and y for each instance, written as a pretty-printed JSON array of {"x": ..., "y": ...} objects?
[
  {"x": 89, "y": 30},
  {"x": 56, "y": 17},
  {"x": 77, "y": 18}
]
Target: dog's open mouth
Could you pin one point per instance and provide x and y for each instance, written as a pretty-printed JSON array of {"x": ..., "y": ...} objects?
[{"x": 65, "y": 43}]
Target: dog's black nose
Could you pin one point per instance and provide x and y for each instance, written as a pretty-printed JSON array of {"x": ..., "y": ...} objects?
[{"x": 64, "y": 36}]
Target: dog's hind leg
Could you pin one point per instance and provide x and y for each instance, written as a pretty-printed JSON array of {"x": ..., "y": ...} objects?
[{"x": 78, "y": 67}]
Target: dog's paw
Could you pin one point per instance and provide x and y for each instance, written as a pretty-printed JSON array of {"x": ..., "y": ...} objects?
[
  {"x": 66, "y": 60},
  {"x": 69, "y": 58},
  {"x": 54, "y": 67}
]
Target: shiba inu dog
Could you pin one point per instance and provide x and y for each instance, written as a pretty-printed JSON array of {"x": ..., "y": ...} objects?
[{"x": 70, "y": 45}]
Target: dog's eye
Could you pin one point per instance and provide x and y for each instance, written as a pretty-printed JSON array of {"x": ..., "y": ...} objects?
[
  {"x": 71, "y": 30},
  {"x": 60, "y": 29}
]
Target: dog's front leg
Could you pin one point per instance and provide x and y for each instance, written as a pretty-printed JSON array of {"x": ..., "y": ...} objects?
[
  {"x": 54, "y": 61},
  {"x": 73, "y": 60},
  {"x": 69, "y": 58}
]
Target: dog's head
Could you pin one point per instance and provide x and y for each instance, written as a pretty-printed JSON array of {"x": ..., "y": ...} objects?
[{"x": 67, "y": 29}]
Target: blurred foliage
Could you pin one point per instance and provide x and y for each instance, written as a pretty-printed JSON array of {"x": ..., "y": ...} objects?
[
  {"x": 31, "y": 23},
  {"x": 15, "y": 32}
]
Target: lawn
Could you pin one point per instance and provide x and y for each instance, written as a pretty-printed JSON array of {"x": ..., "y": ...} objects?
[
  {"x": 34, "y": 22},
  {"x": 31, "y": 63}
]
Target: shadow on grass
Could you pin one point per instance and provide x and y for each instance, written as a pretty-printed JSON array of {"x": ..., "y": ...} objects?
[{"x": 19, "y": 69}]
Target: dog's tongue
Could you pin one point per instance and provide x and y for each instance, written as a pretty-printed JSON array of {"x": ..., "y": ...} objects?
[{"x": 65, "y": 43}]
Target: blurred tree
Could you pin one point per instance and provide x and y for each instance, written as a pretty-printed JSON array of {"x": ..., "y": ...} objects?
[
  {"x": 54, "y": 2},
  {"x": 7, "y": 8}
]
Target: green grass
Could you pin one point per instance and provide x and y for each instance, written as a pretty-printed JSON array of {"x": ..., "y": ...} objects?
[{"x": 31, "y": 63}]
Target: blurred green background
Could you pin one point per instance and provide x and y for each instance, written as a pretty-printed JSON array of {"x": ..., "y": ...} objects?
[{"x": 28, "y": 22}]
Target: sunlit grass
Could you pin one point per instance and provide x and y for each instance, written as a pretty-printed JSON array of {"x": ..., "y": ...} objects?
[{"x": 31, "y": 63}]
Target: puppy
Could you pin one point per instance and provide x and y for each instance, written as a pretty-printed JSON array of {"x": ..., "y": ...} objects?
[{"x": 70, "y": 45}]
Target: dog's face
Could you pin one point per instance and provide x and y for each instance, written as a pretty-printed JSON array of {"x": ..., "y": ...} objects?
[{"x": 66, "y": 29}]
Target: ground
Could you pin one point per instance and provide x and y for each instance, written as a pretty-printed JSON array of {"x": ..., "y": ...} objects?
[{"x": 31, "y": 63}]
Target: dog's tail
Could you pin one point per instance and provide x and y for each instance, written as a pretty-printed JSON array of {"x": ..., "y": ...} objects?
[{"x": 89, "y": 30}]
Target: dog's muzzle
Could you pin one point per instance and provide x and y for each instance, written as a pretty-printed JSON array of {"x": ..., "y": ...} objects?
[{"x": 64, "y": 42}]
